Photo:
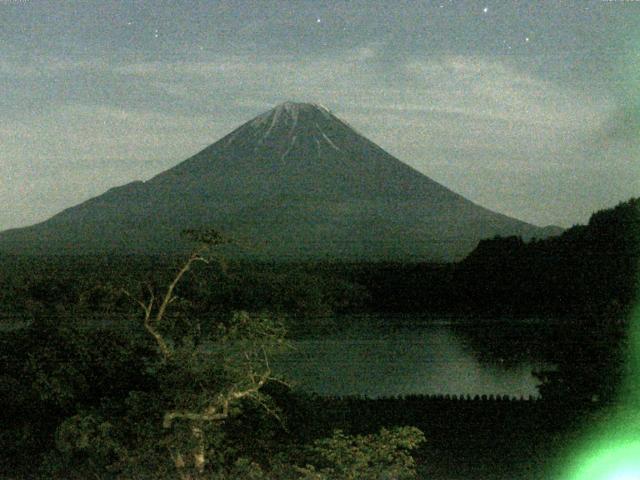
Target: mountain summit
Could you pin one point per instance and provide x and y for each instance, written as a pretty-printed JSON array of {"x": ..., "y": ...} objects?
[{"x": 296, "y": 181}]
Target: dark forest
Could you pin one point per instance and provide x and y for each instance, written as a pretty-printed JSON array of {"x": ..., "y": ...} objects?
[{"x": 83, "y": 390}]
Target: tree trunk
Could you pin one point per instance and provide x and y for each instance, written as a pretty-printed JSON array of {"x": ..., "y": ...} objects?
[{"x": 199, "y": 458}]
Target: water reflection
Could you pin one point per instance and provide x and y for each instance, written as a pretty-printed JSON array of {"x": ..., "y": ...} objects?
[{"x": 378, "y": 358}]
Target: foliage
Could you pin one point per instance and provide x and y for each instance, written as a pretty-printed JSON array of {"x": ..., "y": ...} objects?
[
  {"x": 590, "y": 362},
  {"x": 382, "y": 456},
  {"x": 89, "y": 390},
  {"x": 589, "y": 269},
  {"x": 174, "y": 395},
  {"x": 365, "y": 457}
]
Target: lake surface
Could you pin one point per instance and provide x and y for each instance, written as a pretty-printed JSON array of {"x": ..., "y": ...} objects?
[{"x": 380, "y": 356}]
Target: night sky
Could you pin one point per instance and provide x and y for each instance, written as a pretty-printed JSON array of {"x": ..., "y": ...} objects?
[{"x": 529, "y": 108}]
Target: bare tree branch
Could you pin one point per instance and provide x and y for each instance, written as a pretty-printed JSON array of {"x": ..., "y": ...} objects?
[
  {"x": 168, "y": 296},
  {"x": 244, "y": 348},
  {"x": 220, "y": 410},
  {"x": 148, "y": 322}
]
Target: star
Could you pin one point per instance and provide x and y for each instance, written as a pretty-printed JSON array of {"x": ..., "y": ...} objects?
[
  {"x": 526, "y": 39},
  {"x": 318, "y": 20},
  {"x": 485, "y": 9}
]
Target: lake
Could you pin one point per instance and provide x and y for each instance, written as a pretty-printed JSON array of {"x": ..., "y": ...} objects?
[
  {"x": 381, "y": 356},
  {"x": 377, "y": 356}
]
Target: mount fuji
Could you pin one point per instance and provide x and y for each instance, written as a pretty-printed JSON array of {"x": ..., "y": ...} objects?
[{"x": 297, "y": 183}]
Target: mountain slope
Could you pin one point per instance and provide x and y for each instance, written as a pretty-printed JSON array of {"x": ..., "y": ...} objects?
[{"x": 297, "y": 183}]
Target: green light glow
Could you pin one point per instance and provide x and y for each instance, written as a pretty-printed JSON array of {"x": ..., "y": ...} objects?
[
  {"x": 619, "y": 462},
  {"x": 611, "y": 451}
]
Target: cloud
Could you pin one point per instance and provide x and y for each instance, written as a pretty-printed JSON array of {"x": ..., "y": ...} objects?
[
  {"x": 64, "y": 156},
  {"x": 47, "y": 67},
  {"x": 353, "y": 80},
  {"x": 101, "y": 132},
  {"x": 447, "y": 115}
]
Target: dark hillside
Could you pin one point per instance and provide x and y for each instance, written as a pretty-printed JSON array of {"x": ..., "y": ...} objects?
[{"x": 591, "y": 267}]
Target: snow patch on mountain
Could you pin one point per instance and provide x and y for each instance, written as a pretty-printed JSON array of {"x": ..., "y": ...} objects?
[
  {"x": 293, "y": 141},
  {"x": 324, "y": 135},
  {"x": 344, "y": 198}
]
